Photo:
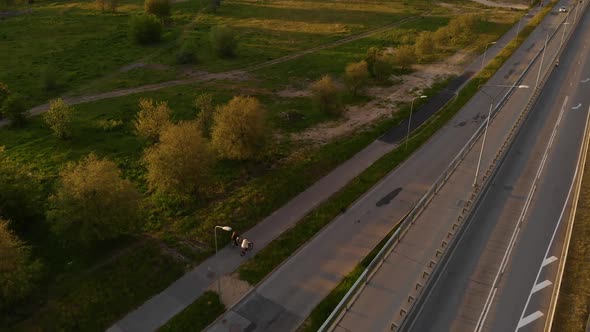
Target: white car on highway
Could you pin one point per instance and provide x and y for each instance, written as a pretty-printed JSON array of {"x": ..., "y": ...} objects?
[{"x": 562, "y": 9}]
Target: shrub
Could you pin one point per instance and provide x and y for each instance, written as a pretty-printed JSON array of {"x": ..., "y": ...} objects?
[
  {"x": 110, "y": 124},
  {"x": 14, "y": 109},
  {"x": 145, "y": 29},
  {"x": 205, "y": 113},
  {"x": 179, "y": 162},
  {"x": 49, "y": 78},
  {"x": 405, "y": 56},
  {"x": 240, "y": 129},
  {"x": 356, "y": 75},
  {"x": 21, "y": 192},
  {"x": 187, "y": 53},
  {"x": 59, "y": 118},
  {"x": 18, "y": 272},
  {"x": 93, "y": 202},
  {"x": 4, "y": 93},
  {"x": 326, "y": 96},
  {"x": 159, "y": 8},
  {"x": 371, "y": 57},
  {"x": 425, "y": 45},
  {"x": 442, "y": 38},
  {"x": 383, "y": 67},
  {"x": 103, "y": 5},
  {"x": 223, "y": 41},
  {"x": 152, "y": 119}
]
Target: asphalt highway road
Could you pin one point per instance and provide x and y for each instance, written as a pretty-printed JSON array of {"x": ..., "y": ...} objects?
[{"x": 457, "y": 303}]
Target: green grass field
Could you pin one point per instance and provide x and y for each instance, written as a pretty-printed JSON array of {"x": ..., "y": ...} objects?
[{"x": 86, "y": 50}]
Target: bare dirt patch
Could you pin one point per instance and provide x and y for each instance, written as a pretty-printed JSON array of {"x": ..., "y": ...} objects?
[{"x": 385, "y": 99}]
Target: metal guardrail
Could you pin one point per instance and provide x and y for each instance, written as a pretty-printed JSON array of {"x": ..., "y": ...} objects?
[{"x": 410, "y": 218}]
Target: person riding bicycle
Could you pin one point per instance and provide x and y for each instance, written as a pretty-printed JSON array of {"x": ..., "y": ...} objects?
[{"x": 245, "y": 246}]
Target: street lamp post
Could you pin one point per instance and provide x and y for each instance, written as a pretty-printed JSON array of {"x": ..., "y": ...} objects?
[
  {"x": 485, "y": 133},
  {"x": 227, "y": 229},
  {"x": 483, "y": 60},
  {"x": 542, "y": 58},
  {"x": 410, "y": 120}
]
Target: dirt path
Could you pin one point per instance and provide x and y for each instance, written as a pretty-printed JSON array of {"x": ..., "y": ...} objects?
[{"x": 233, "y": 74}]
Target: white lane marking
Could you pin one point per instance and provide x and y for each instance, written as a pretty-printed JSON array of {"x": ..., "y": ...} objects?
[
  {"x": 529, "y": 318},
  {"x": 552, "y": 238},
  {"x": 586, "y": 80},
  {"x": 541, "y": 285},
  {"x": 492, "y": 293},
  {"x": 548, "y": 260},
  {"x": 576, "y": 107}
]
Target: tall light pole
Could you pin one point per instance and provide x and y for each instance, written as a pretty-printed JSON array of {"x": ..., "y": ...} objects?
[
  {"x": 410, "y": 120},
  {"x": 227, "y": 229},
  {"x": 483, "y": 60},
  {"x": 563, "y": 34},
  {"x": 542, "y": 57},
  {"x": 485, "y": 133}
]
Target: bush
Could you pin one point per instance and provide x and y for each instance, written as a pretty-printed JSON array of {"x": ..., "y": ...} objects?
[
  {"x": 326, "y": 96},
  {"x": 240, "y": 129},
  {"x": 18, "y": 272},
  {"x": 21, "y": 193},
  {"x": 110, "y": 124},
  {"x": 187, "y": 53},
  {"x": 103, "y": 5},
  {"x": 356, "y": 75},
  {"x": 14, "y": 109},
  {"x": 4, "y": 93},
  {"x": 152, "y": 119},
  {"x": 49, "y": 78},
  {"x": 93, "y": 203},
  {"x": 59, "y": 118},
  {"x": 159, "y": 8},
  {"x": 425, "y": 45},
  {"x": 371, "y": 57},
  {"x": 179, "y": 162},
  {"x": 442, "y": 38},
  {"x": 145, "y": 29},
  {"x": 205, "y": 113},
  {"x": 383, "y": 67},
  {"x": 405, "y": 56},
  {"x": 223, "y": 41}
]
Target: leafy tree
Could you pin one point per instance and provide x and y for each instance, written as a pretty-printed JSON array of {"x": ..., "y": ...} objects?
[
  {"x": 405, "y": 56},
  {"x": 160, "y": 8},
  {"x": 145, "y": 29},
  {"x": 240, "y": 129},
  {"x": 14, "y": 109},
  {"x": 425, "y": 45},
  {"x": 152, "y": 119},
  {"x": 179, "y": 161},
  {"x": 462, "y": 28},
  {"x": 49, "y": 79},
  {"x": 59, "y": 118},
  {"x": 92, "y": 202},
  {"x": 371, "y": 58},
  {"x": 223, "y": 41},
  {"x": 21, "y": 192},
  {"x": 206, "y": 113},
  {"x": 326, "y": 95},
  {"x": 18, "y": 271},
  {"x": 356, "y": 75}
]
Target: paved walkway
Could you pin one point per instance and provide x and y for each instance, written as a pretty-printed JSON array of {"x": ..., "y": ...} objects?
[{"x": 305, "y": 294}]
